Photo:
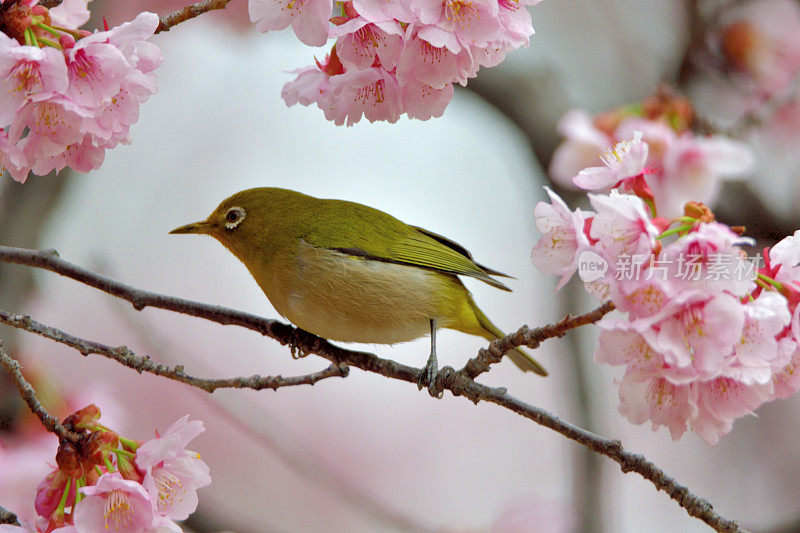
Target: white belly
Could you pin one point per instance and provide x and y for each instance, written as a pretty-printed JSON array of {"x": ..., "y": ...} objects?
[{"x": 351, "y": 299}]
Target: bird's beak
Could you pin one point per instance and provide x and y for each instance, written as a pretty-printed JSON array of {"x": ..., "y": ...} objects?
[{"x": 203, "y": 227}]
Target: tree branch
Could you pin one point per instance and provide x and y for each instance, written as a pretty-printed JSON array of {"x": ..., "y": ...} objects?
[
  {"x": 27, "y": 393},
  {"x": 531, "y": 338},
  {"x": 695, "y": 41},
  {"x": 7, "y": 517},
  {"x": 459, "y": 383},
  {"x": 126, "y": 357},
  {"x": 166, "y": 22},
  {"x": 189, "y": 12}
]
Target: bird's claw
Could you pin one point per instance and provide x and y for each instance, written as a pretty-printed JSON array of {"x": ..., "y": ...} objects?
[
  {"x": 428, "y": 378},
  {"x": 295, "y": 344}
]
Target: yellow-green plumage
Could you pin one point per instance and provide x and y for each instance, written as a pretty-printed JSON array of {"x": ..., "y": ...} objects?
[{"x": 351, "y": 273}]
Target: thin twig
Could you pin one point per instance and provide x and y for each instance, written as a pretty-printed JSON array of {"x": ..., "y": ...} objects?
[
  {"x": 7, "y": 517},
  {"x": 171, "y": 19},
  {"x": 531, "y": 338},
  {"x": 189, "y": 12},
  {"x": 49, "y": 260},
  {"x": 279, "y": 440},
  {"x": 27, "y": 393},
  {"x": 696, "y": 41},
  {"x": 126, "y": 357},
  {"x": 457, "y": 382},
  {"x": 629, "y": 462}
]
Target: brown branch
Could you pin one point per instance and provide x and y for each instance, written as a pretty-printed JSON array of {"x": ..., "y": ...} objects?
[
  {"x": 171, "y": 19},
  {"x": 458, "y": 383},
  {"x": 189, "y": 12},
  {"x": 269, "y": 432},
  {"x": 629, "y": 462},
  {"x": 126, "y": 357},
  {"x": 7, "y": 517},
  {"x": 27, "y": 393},
  {"x": 696, "y": 41},
  {"x": 531, "y": 338}
]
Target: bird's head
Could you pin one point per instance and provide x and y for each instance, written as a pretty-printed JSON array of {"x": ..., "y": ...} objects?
[{"x": 247, "y": 220}]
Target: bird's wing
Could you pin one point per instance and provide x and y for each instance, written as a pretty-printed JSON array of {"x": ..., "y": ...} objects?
[{"x": 376, "y": 235}]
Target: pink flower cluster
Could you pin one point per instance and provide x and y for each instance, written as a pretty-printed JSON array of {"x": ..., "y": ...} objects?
[
  {"x": 681, "y": 166},
  {"x": 394, "y": 56},
  {"x": 705, "y": 336},
  {"x": 67, "y": 95},
  {"x": 760, "y": 46},
  {"x": 109, "y": 483}
]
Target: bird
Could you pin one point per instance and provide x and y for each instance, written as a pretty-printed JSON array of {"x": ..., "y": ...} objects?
[{"x": 352, "y": 273}]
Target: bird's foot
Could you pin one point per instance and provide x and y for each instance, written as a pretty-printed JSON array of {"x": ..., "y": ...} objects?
[
  {"x": 428, "y": 377},
  {"x": 295, "y": 344}
]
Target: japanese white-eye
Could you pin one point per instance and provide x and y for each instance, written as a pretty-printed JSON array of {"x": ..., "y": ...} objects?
[{"x": 351, "y": 273}]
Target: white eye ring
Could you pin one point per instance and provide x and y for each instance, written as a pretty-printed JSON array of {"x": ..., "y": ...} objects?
[{"x": 234, "y": 217}]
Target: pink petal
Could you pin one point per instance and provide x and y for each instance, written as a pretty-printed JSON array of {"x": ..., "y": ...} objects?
[{"x": 594, "y": 178}]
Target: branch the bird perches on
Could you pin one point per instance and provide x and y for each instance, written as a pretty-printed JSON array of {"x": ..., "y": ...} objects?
[{"x": 458, "y": 382}]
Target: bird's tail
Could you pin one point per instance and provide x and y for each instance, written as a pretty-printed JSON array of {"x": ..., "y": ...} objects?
[{"x": 519, "y": 357}]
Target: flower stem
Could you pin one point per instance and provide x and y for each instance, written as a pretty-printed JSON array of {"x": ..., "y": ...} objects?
[
  {"x": 29, "y": 38},
  {"x": 769, "y": 281},
  {"x": 60, "y": 509},
  {"x": 126, "y": 453},
  {"x": 48, "y": 29},
  {"x": 74, "y": 33},
  {"x": 79, "y": 495},
  {"x": 48, "y": 42},
  {"x": 128, "y": 443},
  {"x": 673, "y": 231}
]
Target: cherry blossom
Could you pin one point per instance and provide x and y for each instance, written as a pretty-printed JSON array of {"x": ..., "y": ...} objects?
[
  {"x": 308, "y": 18},
  {"x": 114, "y": 504},
  {"x": 106, "y": 482},
  {"x": 564, "y": 237},
  {"x": 626, "y": 160},
  {"x": 678, "y": 166},
  {"x": 694, "y": 167},
  {"x": 430, "y": 62},
  {"x": 657, "y": 400},
  {"x": 69, "y": 101},
  {"x": 704, "y": 335},
  {"x": 460, "y": 21},
  {"x": 622, "y": 225},
  {"x": 785, "y": 259},
  {"x": 710, "y": 258},
  {"x": 394, "y": 57},
  {"x": 172, "y": 473},
  {"x": 421, "y": 101},
  {"x": 759, "y": 40},
  {"x": 28, "y": 74},
  {"x": 70, "y": 13},
  {"x": 583, "y": 142},
  {"x": 361, "y": 42},
  {"x": 373, "y": 93}
]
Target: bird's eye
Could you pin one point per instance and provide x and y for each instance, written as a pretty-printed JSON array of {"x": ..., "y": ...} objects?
[{"x": 234, "y": 217}]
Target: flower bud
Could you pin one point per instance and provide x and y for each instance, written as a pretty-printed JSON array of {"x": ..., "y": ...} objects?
[
  {"x": 739, "y": 41},
  {"x": 97, "y": 445},
  {"x": 698, "y": 211},
  {"x": 15, "y": 20},
  {"x": 68, "y": 459},
  {"x": 85, "y": 418}
]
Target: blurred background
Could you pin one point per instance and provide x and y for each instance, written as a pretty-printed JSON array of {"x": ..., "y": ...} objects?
[{"x": 366, "y": 453}]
